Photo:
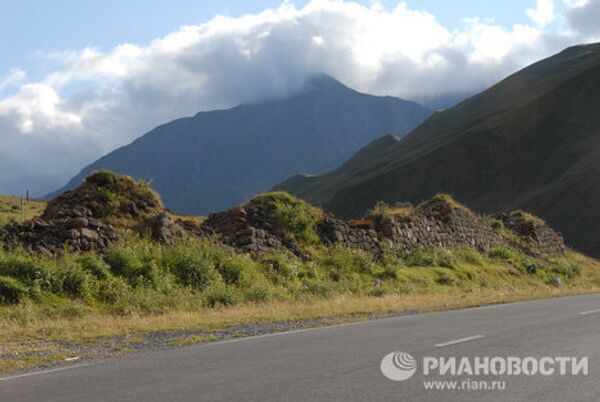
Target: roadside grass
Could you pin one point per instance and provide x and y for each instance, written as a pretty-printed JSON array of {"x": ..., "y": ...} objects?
[
  {"x": 10, "y": 209},
  {"x": 56, "y": 308}
]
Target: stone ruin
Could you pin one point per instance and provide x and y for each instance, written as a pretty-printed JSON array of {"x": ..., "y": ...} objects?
[
  {"x": 85, "y": 219},
  {"x": 434, "y": 224},
  {"x": 88, "y": 219},
  {"x": 533, "y": 231},
  {"x": 249, "y": 229},
  {"x": 438, "y": 223}
]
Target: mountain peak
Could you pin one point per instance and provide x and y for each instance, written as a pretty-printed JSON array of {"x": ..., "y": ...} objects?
[
  {"x": 218, "y": 159},
  {"x": 323, "y": 82}
]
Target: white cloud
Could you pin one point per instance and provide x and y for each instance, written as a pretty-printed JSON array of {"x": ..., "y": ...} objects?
[
  {"x": 13, "y": 78},
  {"x": 542, "y": 14},
  {"x": 95, "y": 101}
]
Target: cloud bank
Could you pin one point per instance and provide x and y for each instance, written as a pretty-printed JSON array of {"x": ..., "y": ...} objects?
[{"x": 94, "y": 101}]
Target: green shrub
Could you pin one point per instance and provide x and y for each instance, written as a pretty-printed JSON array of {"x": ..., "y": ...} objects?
[
  {"x": 420, "y": 258},
  {"x": 112, "y": 290},
  {"x": 259, "y": 292},
  {"x": 138, "y": 266},
  {"x": 230, "y": 266},
  {"x": 11, "y": 290},
  {"x": 293, "y": 215},
  {"x": 29, "y": 269},
  {"x": 95, "y": 265},
  {"x": 346, "y": 264},
  {"x": 445, "y": 278},
  {"x": 316, "y": 287},
  {"x": 281, "y": 268},
  {"x": 469, "y": 256},
  {"x": 432, "y": 258},
  {"x": 220, "y": 296},
  {"x": 192, "y": 268},
  {"x": 501, "y": 253},
  {"x": 75, "y": 282},
  {"x": 379, "y": 291},
  {"x": 566, "y": 270}
]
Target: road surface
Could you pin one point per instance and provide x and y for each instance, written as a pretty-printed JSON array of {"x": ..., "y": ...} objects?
[{"x": 342, "y": 363}]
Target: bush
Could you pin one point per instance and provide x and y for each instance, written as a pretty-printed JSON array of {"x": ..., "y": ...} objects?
[
  {"x": 220, "y": 296},
  {"x": 230, "y": 266},
  {"x": 112, "y": 290},
  {"x": 346, "y": 264},
  {"x": 191, "y": 268},
  {"x": 433, "y": 258},
  {"x": 469, "y": 256},
  {"x": 293, "y": 215},
  {"x": 281, "y": 268},
  {"x": 138, "y": 266},
  {"x": 75, "y": 282},
  {"x": 258, "y": 293},
  {"x": 501, "y": 253},
  {"x": 29, "y": 269},
  {"x": 94, "y": 265},
  {"x": 11, "y": 290},
  {"x": 316, "y": 287},
  {"x": 445, "y": 278},
  {"x": 566, "y": 270}
]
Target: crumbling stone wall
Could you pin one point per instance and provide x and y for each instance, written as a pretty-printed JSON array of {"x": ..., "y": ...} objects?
[
  {"x": 79, "y": 221},
  {"x": 53, "y": 236},
  {"x": 432, "y": 225},
  {"x": 534, "y": 232},
  {"x": 249, "y": 229}
]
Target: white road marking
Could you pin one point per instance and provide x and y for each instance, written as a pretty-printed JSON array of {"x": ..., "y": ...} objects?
[
  {"x": 590, "y": 312},
  {"x": 487, "y": 307},
  {"x": 462, "y": 340},
  {"x": 43, "y": 372}
]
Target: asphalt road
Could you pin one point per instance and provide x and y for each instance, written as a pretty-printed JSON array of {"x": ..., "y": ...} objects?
[{"x": 342, "y": 363}]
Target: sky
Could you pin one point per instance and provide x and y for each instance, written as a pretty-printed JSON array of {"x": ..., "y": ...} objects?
[{"x": 80, "y": 78}]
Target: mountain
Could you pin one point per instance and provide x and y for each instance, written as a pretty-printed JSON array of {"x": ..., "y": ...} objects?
[
  {"x": 530, "y": 142},
  {"x": 217, "y": 159}
]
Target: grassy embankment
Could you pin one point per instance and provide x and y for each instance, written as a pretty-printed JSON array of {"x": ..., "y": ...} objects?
[{"x": 50, "y": 307}]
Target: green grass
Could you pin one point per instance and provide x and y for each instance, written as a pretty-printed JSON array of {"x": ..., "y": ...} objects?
[
  {"x": 384, "y": 209},
  {"x": 140, "y": 277},
  {"x": 10, "y": 209},
  {"x": 448, "y": 199},
  {"x": 140, "y": 286},
  {"x": 293, "y": 215},
  {"x": 528, "y": 217}
]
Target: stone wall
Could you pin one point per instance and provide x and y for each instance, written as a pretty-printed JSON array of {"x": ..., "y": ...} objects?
[
  {"x": 53, "y": 236},
  {"x": 433, "y": 225},
  {"x": 249, "y": 229},
  {"x": 534, "y": 231},
  {"x": 438, "y": 223}
]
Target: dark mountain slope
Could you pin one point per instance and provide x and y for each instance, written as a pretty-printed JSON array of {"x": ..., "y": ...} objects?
[
  {"x": 532, "y": 142},
  {"x": 217, "y": 159}
]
